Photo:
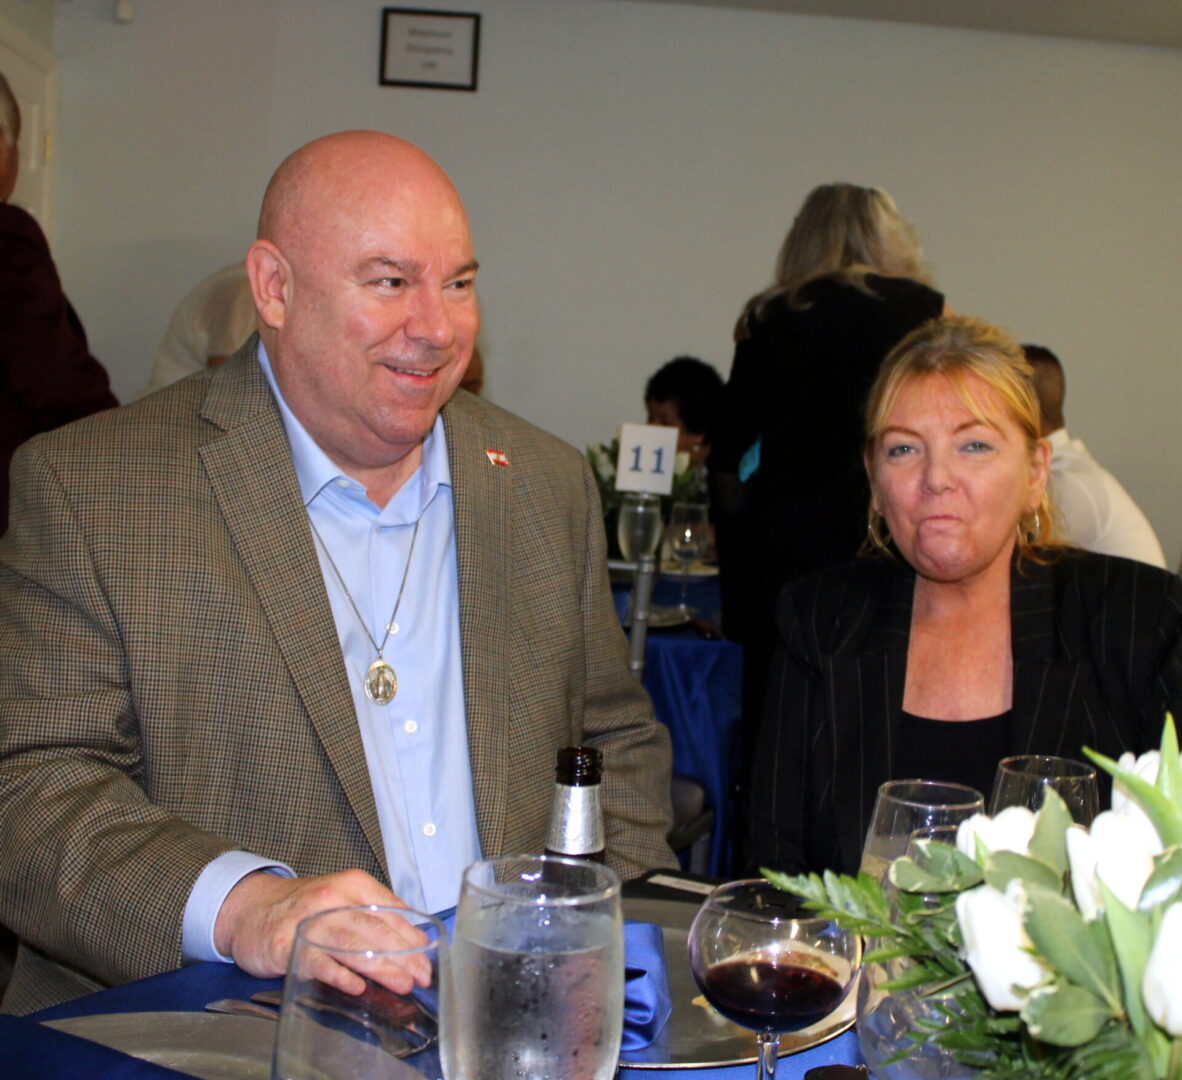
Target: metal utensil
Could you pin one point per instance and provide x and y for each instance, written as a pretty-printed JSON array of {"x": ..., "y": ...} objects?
[{"x": 242, "y": 1008}]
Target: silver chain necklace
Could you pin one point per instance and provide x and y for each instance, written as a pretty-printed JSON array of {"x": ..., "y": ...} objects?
[{"x": 381, "y": 683}]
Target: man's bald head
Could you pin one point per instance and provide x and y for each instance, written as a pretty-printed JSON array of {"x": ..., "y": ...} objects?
[{"x": 333, "y": 171}]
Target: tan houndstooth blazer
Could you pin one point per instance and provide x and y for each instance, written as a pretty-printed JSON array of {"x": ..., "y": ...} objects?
[{"x": 171, "y": 685}]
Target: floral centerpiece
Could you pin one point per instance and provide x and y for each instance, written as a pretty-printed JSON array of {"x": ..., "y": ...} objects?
[{"x": 1049, "y": 950}]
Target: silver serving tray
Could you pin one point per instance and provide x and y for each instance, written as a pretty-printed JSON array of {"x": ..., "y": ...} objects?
[
  {"x": 697, "y": 1035},
  {"x": 209, "y": 1046}
]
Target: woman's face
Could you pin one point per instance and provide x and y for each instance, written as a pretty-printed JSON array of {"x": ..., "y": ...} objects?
[{"x": 951, "y": 488}]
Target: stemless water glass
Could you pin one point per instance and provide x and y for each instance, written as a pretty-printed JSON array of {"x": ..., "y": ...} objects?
[
  {"x": 765, "y": 968},
  {"x": 1023, "y": 780},
  {"x": 330, "y": 1033},
  {"x": 639, "y": 528},
  {"x": 535, "y": 984},
  {"x": 689, "y": 537},
  {"x": 905, "y": 807}
]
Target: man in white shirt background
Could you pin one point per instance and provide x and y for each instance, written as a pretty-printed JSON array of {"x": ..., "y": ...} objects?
[{"x": 1093, "y": 511}]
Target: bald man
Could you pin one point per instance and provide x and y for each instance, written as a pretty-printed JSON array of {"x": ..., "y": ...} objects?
[{"x": 305, "y": 630}]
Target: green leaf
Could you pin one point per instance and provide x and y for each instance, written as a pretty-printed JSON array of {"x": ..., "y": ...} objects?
[
  {"x": 1165, "y": 883},
  {"x": 936, "y": 868},
  {"x": 1165, "y": 814},
  {"x": 1077, "y": 950},
  {"x": 1064, "y": 1015},
  {"x": 1003, "y": 866},
  {"x": 1049, "y": 842},
  {"x": 1132, "y": 938},
  {"x": 1169, "y": 771}
]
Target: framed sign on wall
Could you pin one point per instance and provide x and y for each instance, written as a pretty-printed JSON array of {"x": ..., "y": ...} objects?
[{"x": 435, "y": 49}]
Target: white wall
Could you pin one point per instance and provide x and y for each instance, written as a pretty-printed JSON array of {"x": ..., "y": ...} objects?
[{"x": 630, "y": 170}]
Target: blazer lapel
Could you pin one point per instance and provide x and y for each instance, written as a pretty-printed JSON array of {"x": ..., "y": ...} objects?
[
  {"x": 250, "y": 471},
  {"x": 481, "y": 489},
  {"x": 1047, "y": 685},
  {"x": 866, "y": 682}
]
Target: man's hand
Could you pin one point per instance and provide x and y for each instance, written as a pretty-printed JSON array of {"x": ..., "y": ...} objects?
[{"x": 257, "y": 921}]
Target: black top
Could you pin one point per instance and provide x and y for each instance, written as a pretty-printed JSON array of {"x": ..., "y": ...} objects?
[
  {"x": 799, "y": 383},
  {"x": 1097, "y": 647},
  {"x": 962, "y": 751}
]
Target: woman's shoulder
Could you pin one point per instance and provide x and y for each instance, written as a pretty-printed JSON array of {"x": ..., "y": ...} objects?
[
  {"x": 841, "y": 603},
  {"x": 1102, "y": 590}
]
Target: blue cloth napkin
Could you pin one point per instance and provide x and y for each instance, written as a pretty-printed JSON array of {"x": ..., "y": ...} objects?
[{"x": 647, "y": 1004}]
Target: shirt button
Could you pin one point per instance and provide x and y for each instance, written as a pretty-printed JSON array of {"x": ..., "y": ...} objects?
[
  {"x": 342, "y": 482},
  {"x": 410, "y": 727},
  {"x": 428, "y": 829}
]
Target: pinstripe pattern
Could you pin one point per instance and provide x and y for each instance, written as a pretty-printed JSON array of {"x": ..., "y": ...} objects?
[
  {"x": 171, "y": 684},
  {"x": 1097, "y": 647}
]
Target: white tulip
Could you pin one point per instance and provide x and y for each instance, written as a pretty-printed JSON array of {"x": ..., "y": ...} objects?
[
  {"x": 1123, "y": 803},
  {"x": 1010, "y": 830},
  {"x": 1116, "y": 851},
  {"x": 996, "y": 944},
  {"x": 1161, "y": 986}
]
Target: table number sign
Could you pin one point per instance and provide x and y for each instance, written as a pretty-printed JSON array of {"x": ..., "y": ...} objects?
[{"x": 647, "y": 458}]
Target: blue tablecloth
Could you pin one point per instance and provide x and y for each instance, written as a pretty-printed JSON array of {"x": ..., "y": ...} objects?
[
  {"x": 696, "y": 687},
  {"x": 29, "y": 1050}
]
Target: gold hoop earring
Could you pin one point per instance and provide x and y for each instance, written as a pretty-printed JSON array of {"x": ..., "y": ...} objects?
[
  {"x": 880, "y": 540},
  {"x": 1029, "y": 536}
]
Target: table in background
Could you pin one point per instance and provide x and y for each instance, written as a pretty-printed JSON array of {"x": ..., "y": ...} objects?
[
  {"x": 32, "y": 1051},
  {"x": 696, "y": 687}
]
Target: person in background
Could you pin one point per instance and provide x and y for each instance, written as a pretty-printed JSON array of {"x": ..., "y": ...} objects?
[
  {"x": 47, "y": 375},
  {"x": 685, "y": 393},
  {"x": 1092, "y": 510},
  {"x": 850, "y": 283},
  {"x": 209, "y": 325},
  {"x": 473, "y": 380},
  {"x": 970, "y": 633},
  {"x": 305, "y": 630}
]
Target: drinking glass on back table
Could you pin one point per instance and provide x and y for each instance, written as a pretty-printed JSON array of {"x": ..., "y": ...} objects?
[
  {"x": 689, "y": 537},
  {"x": 1023, "y": 780},
  {"x": 904, "y": 807},
  {"x": 535, "y": 987},
  {"x": 639, "y": 526}
]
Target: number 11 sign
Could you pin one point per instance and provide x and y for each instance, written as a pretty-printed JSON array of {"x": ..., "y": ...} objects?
[{"x": 646, "y": 462}]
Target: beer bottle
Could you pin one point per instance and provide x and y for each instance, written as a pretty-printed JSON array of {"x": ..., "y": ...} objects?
[{"x": 576, "y": 815}]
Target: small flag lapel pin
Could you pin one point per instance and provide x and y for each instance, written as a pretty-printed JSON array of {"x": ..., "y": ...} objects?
[{"x": 497, "y": 457}]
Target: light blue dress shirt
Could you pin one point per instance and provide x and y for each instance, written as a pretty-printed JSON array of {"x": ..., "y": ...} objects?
[{"x": 417, "y": 746}]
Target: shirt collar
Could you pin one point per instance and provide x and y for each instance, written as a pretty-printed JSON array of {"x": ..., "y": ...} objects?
[
  {"x": 1058, "y": 439},
  {"x": 315, "y": 469}
]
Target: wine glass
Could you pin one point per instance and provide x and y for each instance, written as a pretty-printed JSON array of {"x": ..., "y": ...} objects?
[
  {"x": 689, "y": 537},
  {"x": 639, "y": 526},
  {"x": 328, "y": 1031},
  {"x": 904, "y": 807},
  {"x": 764, "y": 967},
  {"x": 535, "y": 986},
  {"x": 1023, "y": 780}
]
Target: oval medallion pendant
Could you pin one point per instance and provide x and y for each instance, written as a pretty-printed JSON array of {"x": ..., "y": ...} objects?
[{"x": 381, "y": 684}]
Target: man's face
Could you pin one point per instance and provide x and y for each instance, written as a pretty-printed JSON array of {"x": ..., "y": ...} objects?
[{"x": 380, "y": 314}]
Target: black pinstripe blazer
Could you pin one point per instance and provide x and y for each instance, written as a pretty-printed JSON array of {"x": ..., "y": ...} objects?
[
  {"x": 171, "y": 682},
  {"x": 1097, "y": 661}
]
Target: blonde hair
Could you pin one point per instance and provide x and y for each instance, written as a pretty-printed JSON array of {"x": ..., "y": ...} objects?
[
  {"x": 958, "y": 347},
  {"x": 842, "y": 231}
]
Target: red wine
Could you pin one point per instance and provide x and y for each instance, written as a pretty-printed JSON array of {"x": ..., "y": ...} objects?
[{"x": 784, "y": 996}]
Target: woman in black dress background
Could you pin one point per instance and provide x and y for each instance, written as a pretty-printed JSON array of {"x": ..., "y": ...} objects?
[{"x": 850, "y": 283}]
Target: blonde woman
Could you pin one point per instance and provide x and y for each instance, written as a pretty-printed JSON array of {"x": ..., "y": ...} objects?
[{"x": 969, "y": 634}]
